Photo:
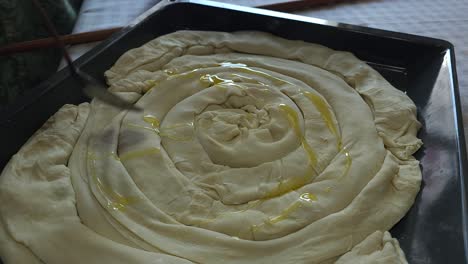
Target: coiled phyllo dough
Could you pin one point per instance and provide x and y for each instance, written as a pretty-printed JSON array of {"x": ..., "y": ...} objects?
[{"x": 250, "y": 149}]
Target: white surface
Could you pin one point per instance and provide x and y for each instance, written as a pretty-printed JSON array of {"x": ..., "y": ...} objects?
[{"x": 103, "y": 14}]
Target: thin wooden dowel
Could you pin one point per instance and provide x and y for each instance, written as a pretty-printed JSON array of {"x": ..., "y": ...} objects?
[{"x": 98, "y": 35}]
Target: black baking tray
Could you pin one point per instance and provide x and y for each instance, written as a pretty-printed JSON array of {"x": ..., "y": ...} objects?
[{"x": 434, "y": 230}]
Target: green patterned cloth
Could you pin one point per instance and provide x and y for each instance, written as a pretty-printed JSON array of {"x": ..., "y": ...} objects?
[{"x": 20, "y": 21}]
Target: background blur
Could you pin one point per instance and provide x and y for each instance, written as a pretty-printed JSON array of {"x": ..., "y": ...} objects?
[{"x": 20, "y": 21}]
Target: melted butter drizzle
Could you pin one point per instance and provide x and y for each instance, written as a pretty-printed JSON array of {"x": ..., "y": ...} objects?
[
  {"x": 349, "y": 162},
  {"x": 326, "y": 115},
  {"x": 243, "y": 68},
  {"x": 230, "y": 64},
  {"x": 139, "y": 126},
  {"x": 237, "y": 66},
  {"x": 251, "y": 80},
  {"x": 286, "y": 186},
  {"x": 115, "y": 201},
  {"x": 305, "y": 197},
  {"x": 168, "y": 131},
  {"x": 111, "y": 154},
  {"x": 188, "y": 74},
  {"x": 308, "y": 197},
  {"x": 138, "y": 153},
  {"x": 213, "y": 79},
  {"x": 286, "y": 213},
  {"x": 295, "y": 182},
  {"x": 149, "y": 85},
  {"x": 152, "y": 120},
  {"x": 294, "y": 120}
]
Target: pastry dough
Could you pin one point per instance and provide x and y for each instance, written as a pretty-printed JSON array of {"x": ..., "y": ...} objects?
[{"x": 250, "y": 149}]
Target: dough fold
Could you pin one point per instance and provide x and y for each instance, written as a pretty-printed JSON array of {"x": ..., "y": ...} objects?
[{"x": 377, "y": 248}]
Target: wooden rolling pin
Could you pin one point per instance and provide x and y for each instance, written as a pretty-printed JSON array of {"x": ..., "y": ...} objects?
[{"x": 99, "y": 35}]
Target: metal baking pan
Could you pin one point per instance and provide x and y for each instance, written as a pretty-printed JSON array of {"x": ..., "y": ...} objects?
[{"x": 435, "y": 229}]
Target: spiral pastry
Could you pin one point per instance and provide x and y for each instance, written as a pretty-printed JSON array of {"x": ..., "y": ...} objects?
[{"x": 250, "y": 149}]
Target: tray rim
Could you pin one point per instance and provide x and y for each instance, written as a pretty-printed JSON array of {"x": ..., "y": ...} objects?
[
  {"x": 28, "y": 98},
  {"x": 461, "y": 144}
]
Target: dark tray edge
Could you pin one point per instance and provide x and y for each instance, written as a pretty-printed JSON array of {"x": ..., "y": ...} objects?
[{"x": 461, "y": 145}]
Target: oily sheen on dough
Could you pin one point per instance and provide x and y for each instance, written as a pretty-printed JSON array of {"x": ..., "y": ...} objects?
[{"x": 250, "y": 149}]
